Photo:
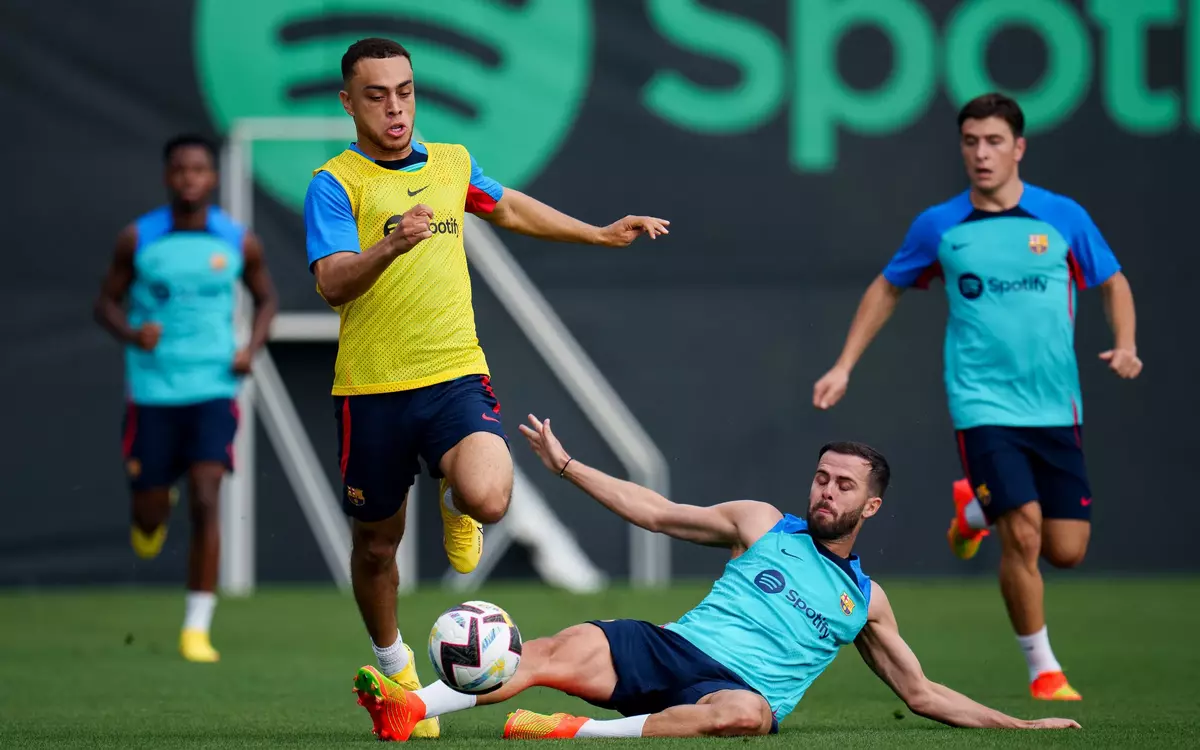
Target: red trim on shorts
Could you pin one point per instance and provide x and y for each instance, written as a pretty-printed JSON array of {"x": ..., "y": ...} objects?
[
  {"x": 345, "y": 435},
  {"x": 962, "y": 456},
  {"x": 130, "y": 430},
  {"x": 487, "y": 386}
]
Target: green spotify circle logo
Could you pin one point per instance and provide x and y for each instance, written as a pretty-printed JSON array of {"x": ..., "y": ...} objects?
[{"x": 506, "y": 80}]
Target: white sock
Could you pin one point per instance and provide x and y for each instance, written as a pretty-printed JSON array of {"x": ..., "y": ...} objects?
[
  {"x": 974, "y": 515},
  {"x": 439, "y": 698},
  {"x": 448, "y": 501},
  {"x": 630, "y": 726},
  {"x": 198, "y": 612},
  {"x": 391, "y": 658},
  {"x": 1038, "y": 654}
]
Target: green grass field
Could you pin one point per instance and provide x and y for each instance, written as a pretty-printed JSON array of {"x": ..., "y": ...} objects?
[{"x": 100, "y": 669}]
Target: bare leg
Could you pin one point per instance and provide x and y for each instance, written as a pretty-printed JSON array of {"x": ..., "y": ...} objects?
[
  {"x": 480, "y": 470},
  {"x": 727, "y": 713},
  {"x": 374, "y": 576},
  {"x": 205, "y": 553},
  {"x": 151, "y": 508},
  {"x": 1065, "y": 541},
  {"x": 1020, "y": 580}
]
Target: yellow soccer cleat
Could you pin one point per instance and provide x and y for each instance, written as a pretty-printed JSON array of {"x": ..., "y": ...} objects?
[
  {"x": 395, "y": 712},
  {"x": 462, "y": 535},
  {"x": 408, "y": 679},
  {"x": 1053, "y": 686},
  {"x": 148, "y": 546},
  {"x": 527, "y": 725},
  {"x": 195, "y": 646},
  {"x": 964, "y": 541}
]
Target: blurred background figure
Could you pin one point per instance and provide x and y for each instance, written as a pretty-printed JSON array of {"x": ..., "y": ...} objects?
[{"x": 179, "y": 267}]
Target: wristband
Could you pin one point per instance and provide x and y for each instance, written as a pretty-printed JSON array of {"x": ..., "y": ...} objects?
[{"x": 564, "y": 468}]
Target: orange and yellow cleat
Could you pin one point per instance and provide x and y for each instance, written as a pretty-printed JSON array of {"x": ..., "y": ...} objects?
[
  {"x": 394, "y": 711},
  {"x": 1053, "y": 686},
  {"x": 964, "y": 541},
  {"x": 527, "y": 725}
]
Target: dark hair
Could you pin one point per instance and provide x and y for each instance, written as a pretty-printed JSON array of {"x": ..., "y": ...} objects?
[
  {"x": 372, "y": 48},
  {"x": 880, "y": 473},
  {"x": 189, "y": 139},
  {"x": 994, "y": 104}
]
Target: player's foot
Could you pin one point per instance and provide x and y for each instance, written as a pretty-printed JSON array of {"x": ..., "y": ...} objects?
[
  {"x": 526, "y": 725},
  {"x": 1053, "y": 686},
  {"x": 395, "y": 712},
  {"x": 147, "y": 546},
  {"x": 462, "y": 535},
  {"x": 195, "y": 646},
  {"x": 964, "y": 541},
  {"x": 408, "y": 679}
]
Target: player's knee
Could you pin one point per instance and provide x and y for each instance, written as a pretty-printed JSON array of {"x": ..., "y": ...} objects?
[
  {"x": 1021, "y": 534},
  {"x": 486, "y": 504},
  {"x": 742, "y": 717},
  {"x": 1065, "y": 557},
  {"x": 374, "y": 550}
]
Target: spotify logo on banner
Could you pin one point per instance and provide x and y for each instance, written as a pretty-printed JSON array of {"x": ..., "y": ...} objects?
[{"x": 505, "y": 79}]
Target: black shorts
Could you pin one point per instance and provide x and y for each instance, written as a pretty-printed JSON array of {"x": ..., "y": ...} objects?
[
  {"x": 160, "y": 443},
  {"x": 658, "y": 668},
  {"x": 1011, "y": 466},
  {"x": 381, "y": 436}
]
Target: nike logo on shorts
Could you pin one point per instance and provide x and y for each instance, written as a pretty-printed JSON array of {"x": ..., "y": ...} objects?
[{"x": 490, "y": 419}]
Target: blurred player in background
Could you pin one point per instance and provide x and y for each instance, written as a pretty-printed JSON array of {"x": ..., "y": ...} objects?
[
  {"x": 1012, "y": 256},
  {"x": 179, "y": 266},
  {"x": 385, "y": 222},
  {"x": 738, "y": 663}
]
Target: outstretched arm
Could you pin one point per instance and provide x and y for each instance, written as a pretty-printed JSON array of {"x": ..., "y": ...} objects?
[
  {"x": 518, "y": 212},
  {"x": 877, "y": 305},
  {"x": 886, "y": 653},
  {"x": 733, "y": 525}
]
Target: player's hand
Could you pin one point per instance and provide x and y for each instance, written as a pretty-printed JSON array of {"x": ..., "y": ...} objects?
[
  {"x": 544, "y": 444},
  {"x": 1124, "y": 362},
  {"x": 830, "y": 388},
  {"x": 413, "y": 227},
  {"x": 622, "y": 233},
  {"x": 242, "y": 361},
  {"x": 146, "y": 337},
  {"x": 1052, "y": 724}
]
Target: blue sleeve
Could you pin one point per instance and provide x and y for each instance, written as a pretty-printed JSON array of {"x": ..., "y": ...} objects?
[
  {"x": 329, "y": 223},
  {"x": 917, "y": 256},
  {"x": 1096, "y": 260},
  {"x": 484, "y": 192}
]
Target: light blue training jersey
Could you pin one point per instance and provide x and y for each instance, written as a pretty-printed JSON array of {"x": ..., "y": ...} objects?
[
  {"x": 1011, "y": 279},
  {"x": 186, "y": 281},
  {"x": 780, "y": 612}
]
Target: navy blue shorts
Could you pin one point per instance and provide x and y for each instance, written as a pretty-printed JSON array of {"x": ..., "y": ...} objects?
[
  {"x": 381, "y": 436},
  {"x": 160, "y": 443},
  {"x": 658, "y": 668},
  {"x": 1011, "y": 466}
]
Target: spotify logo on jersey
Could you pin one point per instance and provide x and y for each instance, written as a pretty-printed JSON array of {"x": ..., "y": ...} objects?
[
  {"x": 447, "y": 226},
  {"x": 504, "y": 79}
]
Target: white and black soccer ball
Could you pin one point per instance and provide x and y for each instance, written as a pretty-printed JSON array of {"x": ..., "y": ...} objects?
[{"x": 475, "y": 647}]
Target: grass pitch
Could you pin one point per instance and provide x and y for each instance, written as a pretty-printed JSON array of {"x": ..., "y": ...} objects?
[{"x": 100, "y": 668}]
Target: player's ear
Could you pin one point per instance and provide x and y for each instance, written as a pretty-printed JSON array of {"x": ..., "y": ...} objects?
[
  {"x": 346, "y": 105},
  {"x": 1019, "y": 149},
  {"x": 872, "y": 506}
]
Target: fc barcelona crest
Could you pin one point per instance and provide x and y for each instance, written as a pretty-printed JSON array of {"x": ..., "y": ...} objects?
[
  {"x": 1039, "y": 243},
  {"x": 847, "y": 604}
]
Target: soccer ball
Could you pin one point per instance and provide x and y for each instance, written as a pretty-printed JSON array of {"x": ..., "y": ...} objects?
[{"x": 475, "y": 647}]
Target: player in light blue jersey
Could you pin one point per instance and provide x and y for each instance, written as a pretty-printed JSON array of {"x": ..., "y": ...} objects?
[
  {"x": 1012, "y": 256},
  {"x": 178, "y": 269},
  {"x": 738, "y": 663}
]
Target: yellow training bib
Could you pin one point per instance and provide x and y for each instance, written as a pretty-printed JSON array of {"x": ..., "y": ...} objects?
[{"x": 416, "y": 326}]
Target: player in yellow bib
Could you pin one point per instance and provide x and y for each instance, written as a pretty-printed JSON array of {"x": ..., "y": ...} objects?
[{"x": 384, "y": 222}]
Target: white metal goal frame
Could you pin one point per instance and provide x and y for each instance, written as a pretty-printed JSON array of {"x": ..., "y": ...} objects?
[{"x": 557, "y": 557}]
